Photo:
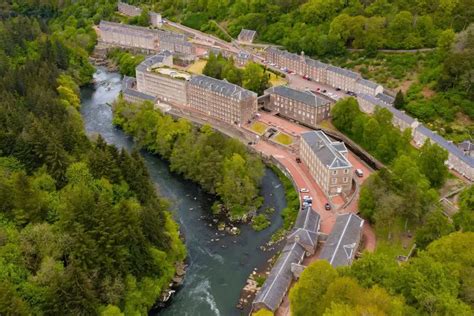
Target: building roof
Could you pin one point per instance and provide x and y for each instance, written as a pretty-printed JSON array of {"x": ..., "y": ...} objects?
[
  {"x": 315, "y": 63},
  {"x": 127, "y": 29},
  {"x": 342, "y": 242},
  {"x": 278, "y": 281},
  {"x": 368, "y": 83},
  {"x": 123, "y": 7},
  {"x": 247, "y": 35},
  {"x": 305, "y": 238},
  {"x": 344, "y": 72},
  {"x": 305, "y": 97},
  {"x": 397, "y": 113},
  {"x": 128, "y": 88},
  {"x": 466, "y": 146},
  {"x": 140, "y": 31},
  {"x": 243, "y": 55},
  {"x": 308, "y": 219},
  {"x": 222, "y": 87},
  {"x": 325, "y": 150},
  {"x": 385, "y": 98},
  {"x": 153, "y": 60},
  {"x": 443, "y": 143}
]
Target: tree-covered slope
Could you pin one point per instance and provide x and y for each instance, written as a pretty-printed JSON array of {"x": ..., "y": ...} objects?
[{"x": 81, "y": 228}]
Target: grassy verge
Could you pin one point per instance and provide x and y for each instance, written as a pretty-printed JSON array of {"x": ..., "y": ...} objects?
[
  {"x": 259, "y": 127},
  {"x": 197, "y": 67},
  {"x": 283, "y": 139}
]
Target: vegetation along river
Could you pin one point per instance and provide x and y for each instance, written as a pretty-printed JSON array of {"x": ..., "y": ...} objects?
[{"x": 217, "y": 270}]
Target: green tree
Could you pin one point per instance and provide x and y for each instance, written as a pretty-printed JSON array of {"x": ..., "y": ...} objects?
[
  {"x": 435, "y": 226},
  {"x": 305, "y": 296},
  {"x": 432, "y": 163},
  {"x": 255, "y": 78},
  {"x": 399, "y": 102}
]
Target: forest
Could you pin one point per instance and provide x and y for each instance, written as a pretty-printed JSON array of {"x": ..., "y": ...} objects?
[
  {"x": 82, "y": 230},
  {"x": 220, "y": 165}
]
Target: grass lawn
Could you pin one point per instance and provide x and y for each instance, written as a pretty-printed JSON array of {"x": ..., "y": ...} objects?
[
  {"x": 276, "y": 80},
  {"x": 283, "y": 139},
  {"x": 398, "y": 243},
  {"x": 259, "y": 127},
  {"x": 197, "y": 67}
]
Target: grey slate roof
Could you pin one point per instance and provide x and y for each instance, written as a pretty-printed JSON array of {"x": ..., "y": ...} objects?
[
  {"x": 325, "y": 150},
  {"x": 344, "y": 72},
  {"x": 153, "y": 60},
  {"x": 368, "y": 83},
  {"x": 443, "y": 143},
  {"x": 315, "y": 63},
  {"x": 278, "y": 281},
  {"x": 243, "y": 55},
  {"x": 305, "y": 97},
  {"x": 128, "y": 84},
  {"x": 303, "y": 237},
  {"x": 140, "y": 31},
  {"x": 308, "y": 219},
  {"x": 466, "y": 146},
  {"x": 223, "y": 87},
  {"x": 397, "y": 113},
  {"x": 343, "y": 241},
  {"x": 385, "y": 98},
  {"x": 127, "y": 29},
  {"x": 247, "y": 35}
]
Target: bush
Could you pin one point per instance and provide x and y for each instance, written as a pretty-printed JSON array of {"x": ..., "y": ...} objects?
[{"x": 260, "y": 222}]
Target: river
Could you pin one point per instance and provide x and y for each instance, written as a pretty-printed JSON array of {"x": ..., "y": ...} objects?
[{"x": 217, "y": 270}]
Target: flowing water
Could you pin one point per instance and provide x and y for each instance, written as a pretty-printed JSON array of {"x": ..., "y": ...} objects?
[{"x": 217, "y": 270}]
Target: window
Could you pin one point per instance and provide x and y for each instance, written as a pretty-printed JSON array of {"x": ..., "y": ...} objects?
[
  {"x": 334, "y": 172},
  {"x": 334, "y": 180},
  {"x": 345, "y": 179},
  {"x": 346, "y": 171}
]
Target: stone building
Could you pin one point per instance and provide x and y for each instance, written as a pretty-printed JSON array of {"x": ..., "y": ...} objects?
[
  {"x": 457, "y": 160},
  {"x": 128, "y": 10},
  {"x": 305, "y": 231},
  {"x": 242, "y": 58},
  {"x": 138, "y": 37},
  {"x": 467, "y": 147},
  {"x": 131, "y": 94},
  {"x": 316, "y": 70},
  {"x": 368, "y": 104},
  {"x": 176, "y": 44},
  {"x": 129, "y": 36},
  {"x": 327, "y": 162},
  {"x": 302, "y": 240},
  {"x": 247, "y": 36},
  {"x": 221, "y": 99},
  {"x": 284, "y": 59},
  {"x": 368, "y": 87},
  {"x": 156, "y": 78},
  {"x": 302, "y": 106},
  {"x": 341, "y": 246},
  {"x": 341, "y": 78},
  {"x": 156, "y": 19}
]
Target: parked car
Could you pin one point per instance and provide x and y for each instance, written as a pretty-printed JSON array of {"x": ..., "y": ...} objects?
[
  {"x": 324, "y": 91},
  {"x": 298, "y": 160},
  {"x": 327, "y": 207},
  {"x": 304, "y": 190},
  {"x": 338, "y": 89},
  {"x": 359, "y": 173}
]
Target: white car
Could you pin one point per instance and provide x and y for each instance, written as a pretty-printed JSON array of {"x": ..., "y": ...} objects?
[{"x": 304, "y": 190}]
